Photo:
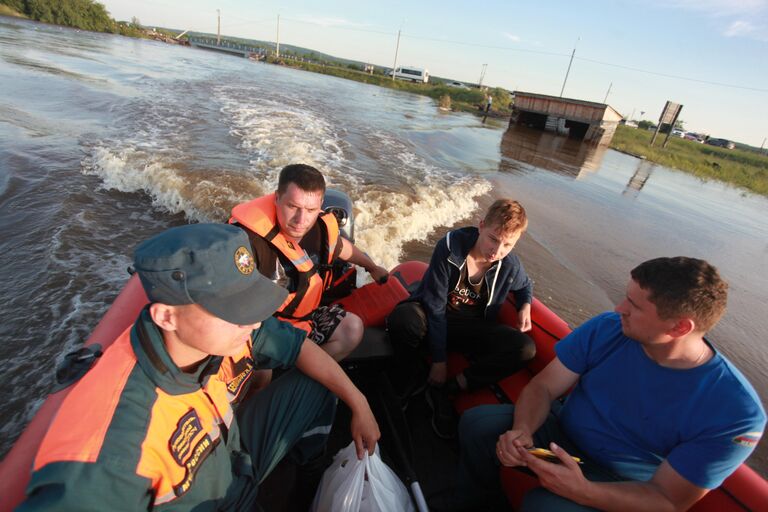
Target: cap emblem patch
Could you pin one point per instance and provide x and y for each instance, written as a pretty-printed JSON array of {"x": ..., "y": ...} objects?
[
  {"x": 244, "y": 261},
  {"x": 748, "y": 440}
]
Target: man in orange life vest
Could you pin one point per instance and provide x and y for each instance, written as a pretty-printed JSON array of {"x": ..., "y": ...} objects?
[
  {"x": 295, "y": 243},
  {"x": 165, "y": 418}
]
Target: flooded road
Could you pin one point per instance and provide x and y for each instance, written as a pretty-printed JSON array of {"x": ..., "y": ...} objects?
[{"x": 123, "y": 138}]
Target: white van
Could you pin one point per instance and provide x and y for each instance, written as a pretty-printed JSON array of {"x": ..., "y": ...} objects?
[{"x": 412, "y": 74}]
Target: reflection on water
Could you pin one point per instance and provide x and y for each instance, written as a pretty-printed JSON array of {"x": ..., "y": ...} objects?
[
  {"x": 639, "y": 178},
  {"x": 521, "y": 145},
  {"x": 544, "y": 150}
]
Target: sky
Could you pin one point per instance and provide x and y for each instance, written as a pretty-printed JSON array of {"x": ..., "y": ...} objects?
[{"x": 711, "y": 56}]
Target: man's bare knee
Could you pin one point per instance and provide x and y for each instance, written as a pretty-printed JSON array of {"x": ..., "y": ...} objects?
[
  {"x": 354, "y": 328},
  {"x": 346, "y": 337}
]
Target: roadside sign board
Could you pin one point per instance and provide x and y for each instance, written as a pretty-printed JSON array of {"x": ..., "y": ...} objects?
[
  {"x": 668, "y": 117},
  {"x": 670, "y": 113}
]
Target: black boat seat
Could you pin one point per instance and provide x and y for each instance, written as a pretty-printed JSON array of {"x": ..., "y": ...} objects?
[{"x": 374, "y": 349}]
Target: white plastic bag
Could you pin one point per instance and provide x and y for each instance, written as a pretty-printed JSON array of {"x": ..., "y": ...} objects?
[{"x": 368, "y": 485}]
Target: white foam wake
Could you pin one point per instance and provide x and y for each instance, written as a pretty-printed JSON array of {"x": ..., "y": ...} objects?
[
  {"x": 399, "y": 197},
  {"x": 426, "y": 198},
  {"x": 130, "y": 170},
  {"x": 386, "y": 221},
  {"x": 276, "y": 132}
]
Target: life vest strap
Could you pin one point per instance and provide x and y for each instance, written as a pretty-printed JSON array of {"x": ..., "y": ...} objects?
[
  {"x": 272, "y": 233},
  {"x": 283, "y": 314},
  {"x": 301, "y": 288}
]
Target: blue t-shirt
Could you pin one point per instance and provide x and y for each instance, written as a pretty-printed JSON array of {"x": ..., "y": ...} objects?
[{"x": 629, "y": 414}]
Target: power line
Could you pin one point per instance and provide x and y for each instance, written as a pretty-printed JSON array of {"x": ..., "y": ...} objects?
[
  {"x": 489, "y": 46},
  {"x": 251, "y": 22},
  {"x": 667, "y": 75},
  {"x": 540, "y": 52},
  {"x": 510, "y": 49},
  {"x": 354, "y": 29}
]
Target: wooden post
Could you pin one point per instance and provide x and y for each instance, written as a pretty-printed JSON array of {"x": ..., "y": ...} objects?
[
  {"x": 672, "y": 126},
  {"x": 655, "y": 133}
]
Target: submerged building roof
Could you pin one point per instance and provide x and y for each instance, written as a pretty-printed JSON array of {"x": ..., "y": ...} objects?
[
  {"x": 579, "y": 119},
  {"x": 611, "y": 114}
]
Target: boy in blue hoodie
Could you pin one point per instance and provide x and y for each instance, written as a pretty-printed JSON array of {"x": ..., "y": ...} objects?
[{"x": 456, "y": 307}]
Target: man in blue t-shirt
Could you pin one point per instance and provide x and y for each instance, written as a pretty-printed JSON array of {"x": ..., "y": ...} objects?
[{"x": 657, "y": 415}]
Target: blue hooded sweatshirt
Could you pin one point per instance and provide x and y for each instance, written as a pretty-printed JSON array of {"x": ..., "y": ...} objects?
[{"x": 449, "y": 257}]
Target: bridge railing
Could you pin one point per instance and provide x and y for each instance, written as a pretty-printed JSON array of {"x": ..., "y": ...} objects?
[{"x": 224, "y": 44}]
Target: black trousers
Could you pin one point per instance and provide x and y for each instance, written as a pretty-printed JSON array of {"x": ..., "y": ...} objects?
[{"x": 494, "y": 350}]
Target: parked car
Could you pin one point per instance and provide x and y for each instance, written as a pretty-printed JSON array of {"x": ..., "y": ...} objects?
[
  {"x": 678, "y": 133},
  {"x": 412, "y": 74},
  {"x": 695, "y": 137},
  {"x": 457, "y": 84},
  {"x": 721, "y": 143}
]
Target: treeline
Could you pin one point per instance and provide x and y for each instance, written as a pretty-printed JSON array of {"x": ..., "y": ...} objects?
[{"x": 82, "y": 14}]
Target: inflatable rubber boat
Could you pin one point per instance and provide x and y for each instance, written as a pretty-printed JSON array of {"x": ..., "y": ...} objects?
[{"x": 744, "y": 490}]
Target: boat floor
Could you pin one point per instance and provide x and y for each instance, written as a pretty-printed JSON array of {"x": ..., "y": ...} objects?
[{"x": 433, "y": 459}]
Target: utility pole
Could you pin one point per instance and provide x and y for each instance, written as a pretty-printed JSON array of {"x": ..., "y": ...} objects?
[
  {"x": 569, "y": 67},
  {"x": 482, "y": 76},
  {"x": 763, "y": 144},
  {"x": 277, "y": 51},
  {"x": 218, "y": 27},
  {"x": 397, "y": 48},
  {"x": 606, "y": 95}
]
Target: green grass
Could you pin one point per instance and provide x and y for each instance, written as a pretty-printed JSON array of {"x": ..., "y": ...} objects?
[
  {"x": 744, "y": 169},
  {"x": 461, "y": 99}
]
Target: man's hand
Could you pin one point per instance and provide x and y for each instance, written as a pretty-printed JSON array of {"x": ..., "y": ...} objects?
[
  {"x": 438, "y": 374},
  {"x": 508, "y": 444},
  {"x": 353, "y": 255},
  {"x": 524, "y": 318},
  {"x": 564, "y": 479},
  {"x": 378, "y": 273},
  {"x": 260, "y": 379},
  {"x": 364, "y": 429}
]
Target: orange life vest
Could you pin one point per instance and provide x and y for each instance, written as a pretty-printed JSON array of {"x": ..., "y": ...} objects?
[
  {"x": 180, "y": 428},
  {"x": 259, "y": 216}
]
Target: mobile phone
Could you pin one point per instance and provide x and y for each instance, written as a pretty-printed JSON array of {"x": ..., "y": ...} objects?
[{"x": 544, "y": 454}]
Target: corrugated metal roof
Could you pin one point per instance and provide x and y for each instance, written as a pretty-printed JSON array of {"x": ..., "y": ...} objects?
[{"x": 568, "y": 100}]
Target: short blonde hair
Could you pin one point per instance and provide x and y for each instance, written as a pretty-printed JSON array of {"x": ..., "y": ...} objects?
[{"x": 508, "y": 215}]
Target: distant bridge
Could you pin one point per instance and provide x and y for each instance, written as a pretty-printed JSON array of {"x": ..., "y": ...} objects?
[{"x": 209, "y": 43}]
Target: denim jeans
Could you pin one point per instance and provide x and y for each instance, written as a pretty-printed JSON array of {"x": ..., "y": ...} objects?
[
  {"x": 494, "y": 350},
  {"x": 478, "y": 478}
]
